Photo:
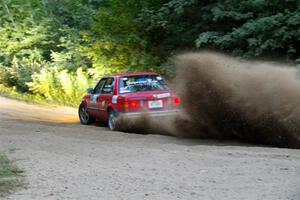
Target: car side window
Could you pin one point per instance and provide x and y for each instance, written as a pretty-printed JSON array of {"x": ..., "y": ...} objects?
[
  {"x": 108, "y": 86},
  {"x": 99, "y": 86}
]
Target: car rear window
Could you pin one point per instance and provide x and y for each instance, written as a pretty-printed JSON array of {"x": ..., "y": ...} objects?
[{"x": 140, "y": 83}]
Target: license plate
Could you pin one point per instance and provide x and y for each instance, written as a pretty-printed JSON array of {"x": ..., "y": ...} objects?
[{"x": 155, "y": 104}]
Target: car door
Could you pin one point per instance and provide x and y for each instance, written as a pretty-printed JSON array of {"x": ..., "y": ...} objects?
[
  {"x": 105, "y": 98},
  {"x": 94, "y": 99}
]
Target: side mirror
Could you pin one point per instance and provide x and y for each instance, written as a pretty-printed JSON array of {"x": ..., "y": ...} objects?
[{"x": 90, "y": 90}]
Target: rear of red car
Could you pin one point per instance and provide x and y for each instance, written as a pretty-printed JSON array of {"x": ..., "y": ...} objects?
[
  {"x": 130, "y": 95},
  {"x": 145, "y": 94}
]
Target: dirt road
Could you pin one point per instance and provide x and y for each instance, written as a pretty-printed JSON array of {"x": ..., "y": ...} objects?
[{"x": 65, "y": 160}]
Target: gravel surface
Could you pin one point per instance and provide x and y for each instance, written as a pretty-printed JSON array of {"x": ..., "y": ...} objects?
[{"x": 65, "y": 160}]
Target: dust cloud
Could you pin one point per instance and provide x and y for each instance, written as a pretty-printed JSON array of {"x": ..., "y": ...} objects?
[{"x": 224, "y": 98}]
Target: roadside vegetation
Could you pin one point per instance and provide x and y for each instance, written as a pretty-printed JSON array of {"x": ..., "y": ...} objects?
[
  {"x": 13, "y": 93},
  {"x": 10, "y": 176},
  {"x": 54, "y": 50}
]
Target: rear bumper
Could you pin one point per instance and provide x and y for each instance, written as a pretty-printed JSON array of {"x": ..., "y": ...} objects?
[{"x": 157, "y": 113}]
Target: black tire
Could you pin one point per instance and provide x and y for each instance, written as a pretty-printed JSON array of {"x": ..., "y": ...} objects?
[
  {"x": 84, "y": 116},
  {"x": 112, "y": 120}
]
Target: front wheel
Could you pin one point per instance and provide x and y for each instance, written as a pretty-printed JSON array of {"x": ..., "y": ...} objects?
[
  {"x": 84, "y": 116},
  {"x": 112, "y": 120}
]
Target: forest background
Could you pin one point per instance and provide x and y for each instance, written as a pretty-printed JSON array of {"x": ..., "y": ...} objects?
[{"x": 52, "y": 50}]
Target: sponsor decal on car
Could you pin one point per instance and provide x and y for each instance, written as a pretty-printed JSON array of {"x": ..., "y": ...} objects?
[
  {"x": 114, "y": 99},
  {"x": 164, "y": 95}
]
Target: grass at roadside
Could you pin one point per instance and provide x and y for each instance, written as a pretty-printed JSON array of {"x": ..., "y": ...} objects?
[
  {"x": 29, "y": 98},
  {"x": 12, "y": 93},
  {"x": 10, "y": 176}
]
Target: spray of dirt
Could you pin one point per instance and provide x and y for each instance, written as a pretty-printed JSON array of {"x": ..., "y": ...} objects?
[{"x": 224, "y": 98}]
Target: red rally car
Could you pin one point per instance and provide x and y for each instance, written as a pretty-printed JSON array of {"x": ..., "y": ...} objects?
[{"x": 129, "y": 95}]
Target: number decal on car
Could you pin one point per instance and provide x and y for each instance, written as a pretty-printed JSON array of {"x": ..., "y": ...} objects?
[{"x": 93, "y": 98}]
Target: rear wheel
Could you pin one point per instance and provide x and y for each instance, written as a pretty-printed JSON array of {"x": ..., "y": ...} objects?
[
  {"x": 84, "y": 116},
  {"x": 112, "y": 120}
]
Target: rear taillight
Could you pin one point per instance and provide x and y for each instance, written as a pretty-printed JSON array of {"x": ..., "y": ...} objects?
[
  {"x": 130, "y": 104},
  {"x": 176, "y": 101},
  {"x": 126, "y": 105},
  {"x": 133, "y": 104}
]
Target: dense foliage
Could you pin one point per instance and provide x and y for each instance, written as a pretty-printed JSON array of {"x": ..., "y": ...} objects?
[{"x": 57, "y": 48}]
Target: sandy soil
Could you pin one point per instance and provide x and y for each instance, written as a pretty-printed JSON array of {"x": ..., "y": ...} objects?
[{"x": 65, "y": 160}]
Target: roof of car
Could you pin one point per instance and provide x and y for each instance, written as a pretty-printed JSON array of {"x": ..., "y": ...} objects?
[{"x": 135, "y": 73}]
